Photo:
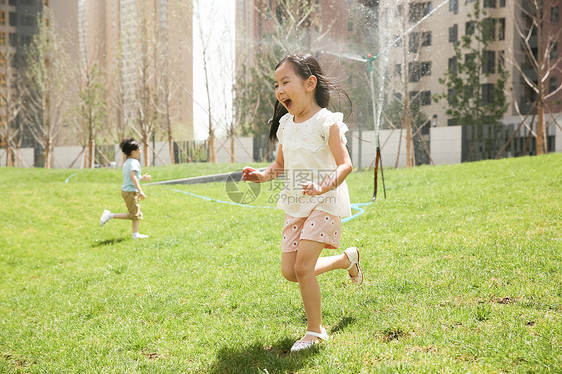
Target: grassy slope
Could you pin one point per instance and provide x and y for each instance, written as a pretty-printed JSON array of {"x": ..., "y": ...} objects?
[{"x": 463, "y": 267}]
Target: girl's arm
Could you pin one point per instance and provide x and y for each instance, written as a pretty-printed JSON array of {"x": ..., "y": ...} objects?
[
  {"x": 343, "y": 169},
  {"x": 273, "y": 171},
  {"x": 137, "y": 184}
]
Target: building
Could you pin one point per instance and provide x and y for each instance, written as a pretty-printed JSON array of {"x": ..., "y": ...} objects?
[
  {"x": 414, "y": 46},
  {"x": 122, "y": 35}
]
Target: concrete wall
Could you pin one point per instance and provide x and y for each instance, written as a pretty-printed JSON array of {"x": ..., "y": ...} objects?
[{"x": 446, "y": 145}]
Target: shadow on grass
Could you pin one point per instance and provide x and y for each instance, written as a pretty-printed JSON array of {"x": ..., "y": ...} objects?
[
  {"x": 108, "y": 242},
  {"x": 259, "y": 358}
]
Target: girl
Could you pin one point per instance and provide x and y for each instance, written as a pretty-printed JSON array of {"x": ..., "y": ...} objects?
[
  {"x": 315, "y": 161},
  {"x": 131, "y": 190}
]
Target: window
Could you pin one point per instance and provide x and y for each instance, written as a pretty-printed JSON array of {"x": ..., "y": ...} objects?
[
  {"x": 454, "y": 6},
  {"x": 425, "y": 98},
  {"x": 451, "y": 92},
  {"x": 413, "y": 41},
  {"x": 489, "y": 29},
  {"x": 414, "y": 97},
  {"x": 490, "y": 3},
  {"x": 398, "y": 69},
  {"x": 3, "y": 79},
  {"x": 2, "y": 17},
  {"x": 453, "y": 64},
  {"x": 28, "y": 21},
  {"x": 501, "y": 60},
  {"x": 3, "y": 38},
  {"x": 554, "y": 51},
  {"x": 552, "y": 84},
  {"x": 398, "y": 10},
  {"x": 554, "y": 14},
  {"x": 502, "y": 3},
  {"x": 489, "y": 62},
  {"x": 398, "y": 96},
  {"x": 2, "y": 59},
  {"x": 415, "y": 71},
  {"x": 469, "y": 28},
  {"x": 425, "y": 69},
  {"x": 487, "y": 93},
  {"x": 501, "y": 29},
  {"x": 419, "y": 10},
  {"x": 469, "y": 59},
  {"x": 453, "y": 33},
  {"x": 426, "y": 38},
  {"x": 398, "y": 40},
  {"x": 13, "y": 19}
]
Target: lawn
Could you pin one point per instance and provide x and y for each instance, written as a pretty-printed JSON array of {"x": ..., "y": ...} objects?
[{"x": 462, "y": 263}]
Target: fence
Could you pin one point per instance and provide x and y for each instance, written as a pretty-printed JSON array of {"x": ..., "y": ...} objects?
[{"x": 436, "y": 145}]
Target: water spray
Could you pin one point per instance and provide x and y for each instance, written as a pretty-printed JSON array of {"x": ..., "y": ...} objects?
[{"x": 378, "y": 160}]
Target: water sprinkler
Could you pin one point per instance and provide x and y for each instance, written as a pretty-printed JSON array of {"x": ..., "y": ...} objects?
[{"x": 378, "y": 159}]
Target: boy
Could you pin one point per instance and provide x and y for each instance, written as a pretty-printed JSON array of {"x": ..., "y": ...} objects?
[{"x": 131, "y": 189}]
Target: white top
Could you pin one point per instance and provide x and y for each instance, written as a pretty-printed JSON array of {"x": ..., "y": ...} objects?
[{"x": 307, "y": 157}]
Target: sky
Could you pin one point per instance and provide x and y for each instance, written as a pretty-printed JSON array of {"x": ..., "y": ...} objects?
[{"x": 213, "y": 26}]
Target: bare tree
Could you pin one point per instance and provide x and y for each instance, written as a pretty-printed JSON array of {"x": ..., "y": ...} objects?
[
  {"x": 206, "y": 56},
  {"x": 539, "y": 39},
  {"x": 92, "y": 110},
  {"x": 293, "y": 26},
  {"x": 11, "y": 99},
  {"x": 45, "y": 80},
  {"x": 146, "y": 102}
]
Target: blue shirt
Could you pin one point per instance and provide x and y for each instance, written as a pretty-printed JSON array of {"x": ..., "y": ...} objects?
[{"x": 131, "y": 164}]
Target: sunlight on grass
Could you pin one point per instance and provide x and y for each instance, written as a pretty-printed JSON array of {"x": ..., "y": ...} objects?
[{"x": 463, "y": 273}]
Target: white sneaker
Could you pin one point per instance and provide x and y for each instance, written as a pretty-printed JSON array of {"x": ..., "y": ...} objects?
[
  {"x": 136, "y": 235},
  {"x": 106, "y": 216}
]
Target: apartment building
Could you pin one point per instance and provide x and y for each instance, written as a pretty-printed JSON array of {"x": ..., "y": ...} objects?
[
  {"x": 123, "y": 35},
  {"x": 415, "y": 45},
  {"x": 424, "y": 34},
  {"x": 18, "y": 24}
]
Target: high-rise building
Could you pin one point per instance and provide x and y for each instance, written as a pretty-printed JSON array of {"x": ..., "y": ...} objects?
[
  {"x": 121, "y": 36},
  {"x": 18, "y": 25},
  {"x": 418, "y": 37}
]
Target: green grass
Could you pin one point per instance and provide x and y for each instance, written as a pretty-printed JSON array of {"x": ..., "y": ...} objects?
[{"x": 462, "y": 263}]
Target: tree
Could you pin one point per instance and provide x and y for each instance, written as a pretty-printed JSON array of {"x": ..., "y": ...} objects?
[
  {"x": 541, "y": 58},
  {"x": 206, "y": 56},
  {"x": 475, "y": 99},
  {"x": 45, "y": 80},
  {"x": 11, "y": 99},
  {"x": 294, "y": 26},
  {"x": 92, "y": 108}
]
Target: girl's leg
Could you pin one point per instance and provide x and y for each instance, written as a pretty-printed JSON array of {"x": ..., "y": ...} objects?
[
  {"x": 323, "y": 264},
  {"x": 135, "y": 226},
  {"x": 306, "y": 258},
  {"x": 340, "y": 261}
]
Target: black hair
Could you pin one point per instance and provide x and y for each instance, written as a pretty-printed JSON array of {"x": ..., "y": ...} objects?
[
  {"x": 305, "y": 65},
  {"x": 129, "y": 145}
]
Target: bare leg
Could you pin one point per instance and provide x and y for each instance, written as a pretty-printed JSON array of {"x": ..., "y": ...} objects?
[
  {"x": 305, "y": 263},
  {"x": 126, "y": 216},
  {"x": 323, "y": 264},
  {"x": 121, "y": 215}
]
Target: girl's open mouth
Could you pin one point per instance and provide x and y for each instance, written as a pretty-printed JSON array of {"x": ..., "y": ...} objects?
[{"x": 288, "y": 103}]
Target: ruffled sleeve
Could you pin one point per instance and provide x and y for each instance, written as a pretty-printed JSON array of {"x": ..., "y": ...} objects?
[
  {"x": 337, "y": 118},
  {"x": 281, "y": 128}
]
